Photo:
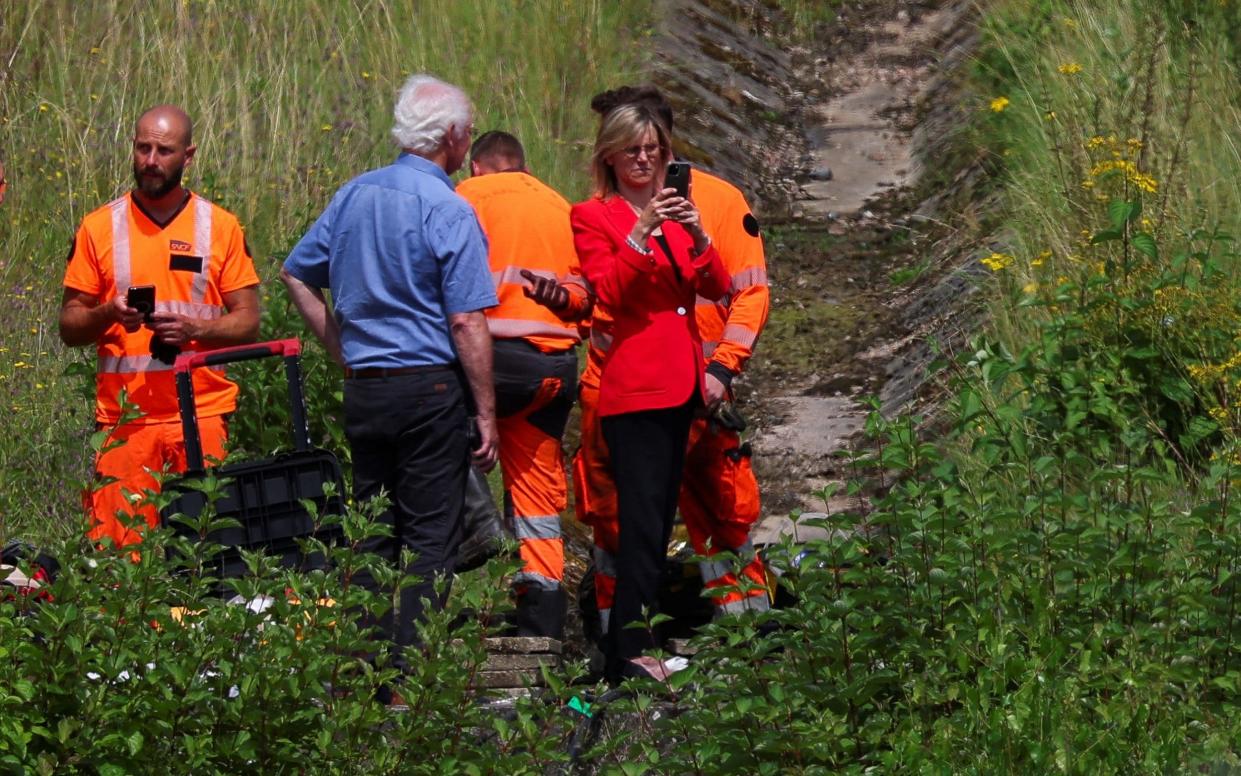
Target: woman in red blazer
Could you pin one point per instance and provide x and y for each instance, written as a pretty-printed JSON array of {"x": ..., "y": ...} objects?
[{"x": 644, "y": 251}]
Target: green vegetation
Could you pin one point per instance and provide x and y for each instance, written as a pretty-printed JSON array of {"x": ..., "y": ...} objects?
[
  {"x": 1049, "y": 583},
  {"x": 1048, "y": 579},
  {"x": 136, "y": 667},
  {"x": 290, "y": 100}
]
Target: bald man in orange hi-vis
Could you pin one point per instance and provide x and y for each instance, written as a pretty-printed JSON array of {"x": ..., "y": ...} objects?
[
  {"x": 543, "y": 298},
  {"x": 156, "y": 272},
  {"x": 719, "y": 499}
]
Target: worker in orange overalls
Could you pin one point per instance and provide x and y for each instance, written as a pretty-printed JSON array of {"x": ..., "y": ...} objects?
[
  {"x": 719, "y": 499},
  {"x": 543, "y": 297},
  {"x": 205, "y": 296}
]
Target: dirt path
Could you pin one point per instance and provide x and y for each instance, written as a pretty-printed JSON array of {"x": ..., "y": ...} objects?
[{"x": 838, "y": 270}]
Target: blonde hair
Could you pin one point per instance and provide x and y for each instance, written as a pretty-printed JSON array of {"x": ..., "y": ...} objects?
[{"x": 621, "y": 128}]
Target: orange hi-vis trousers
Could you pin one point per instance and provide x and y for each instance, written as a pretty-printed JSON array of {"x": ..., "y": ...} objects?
[
  {"x": 719, "y": 503},
  {"x": 133, "y": 454},
  {"x": 534, "y": 394}
]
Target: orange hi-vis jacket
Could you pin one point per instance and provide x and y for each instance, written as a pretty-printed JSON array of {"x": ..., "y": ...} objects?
[
  {"x": 731, "y": 326},
  {"x": 527, "y": 227},
  {"x": 192, "y": 260}
]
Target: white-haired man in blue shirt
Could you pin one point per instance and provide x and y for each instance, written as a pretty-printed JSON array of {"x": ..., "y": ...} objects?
[{"x": 406, "y": 262}]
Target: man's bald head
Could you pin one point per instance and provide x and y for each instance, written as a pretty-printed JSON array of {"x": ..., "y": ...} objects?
[
  {"x": 163, "y": 147},
  {"x": 171, "y": 120}
]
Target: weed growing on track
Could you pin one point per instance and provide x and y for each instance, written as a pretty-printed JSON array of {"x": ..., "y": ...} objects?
[{"x": 289, "y": 101}]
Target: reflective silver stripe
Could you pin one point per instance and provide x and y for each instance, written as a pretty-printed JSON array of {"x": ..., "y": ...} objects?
[
  {"x": 754, "y": 276},
  {"x": 708, "y": 348},
  {"x": 600, "y": 341},
  {"x": 132, "y": 364},
  {"x": 513, "y": 275},
  {"x": 202, "y": 245},
  {"x": 120, "y": 244},
  {"x": 712, "y": 570},
  {"x": 605, "y": 563},
  {"x": 515, "y": 327},
  {"x": 742, "y": 335},
  {"x": 605, "y": 619},
  {"x": 757, "y": 601},
  {"x": 537, "y": 527},
  {"x": 191, "y": 309},
  {"x": 538, "y": 580}
]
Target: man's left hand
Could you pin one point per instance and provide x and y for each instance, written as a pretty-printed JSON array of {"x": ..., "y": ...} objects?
[
  {"x": 175, "y": 329},
  {"x": 546, "y": 291}
]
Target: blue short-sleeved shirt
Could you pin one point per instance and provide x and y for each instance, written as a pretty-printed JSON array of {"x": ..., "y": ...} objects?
[{"x": 400, "y": 251}]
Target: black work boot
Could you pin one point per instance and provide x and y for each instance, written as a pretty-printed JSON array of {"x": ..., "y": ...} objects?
[{"x": 541, "y": 612}]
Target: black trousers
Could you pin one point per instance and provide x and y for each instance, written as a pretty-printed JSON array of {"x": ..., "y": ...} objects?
[
  {"x": 647, "y": 450},
  {"x": 409, "y": 437}
]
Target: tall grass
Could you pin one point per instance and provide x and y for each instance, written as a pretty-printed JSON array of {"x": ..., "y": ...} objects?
[
  {"x": 290, "y": 99},
  {"x": 1148, "y": 80}
]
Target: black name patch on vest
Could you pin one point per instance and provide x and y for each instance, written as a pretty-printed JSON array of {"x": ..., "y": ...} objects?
[{"x": 180, "y": 263}]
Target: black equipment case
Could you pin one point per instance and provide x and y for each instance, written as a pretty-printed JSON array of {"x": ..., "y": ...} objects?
[{"x": 264, "y": 497}]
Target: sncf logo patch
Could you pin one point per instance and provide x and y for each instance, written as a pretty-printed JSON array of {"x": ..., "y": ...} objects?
[{"x": 177, "y": 246}]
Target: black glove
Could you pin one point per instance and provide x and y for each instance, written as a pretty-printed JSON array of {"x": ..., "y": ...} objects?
[{"x": 163, "y": 352}]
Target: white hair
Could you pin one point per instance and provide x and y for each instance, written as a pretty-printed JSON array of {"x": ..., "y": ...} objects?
[{"x": 426, "y": 108}]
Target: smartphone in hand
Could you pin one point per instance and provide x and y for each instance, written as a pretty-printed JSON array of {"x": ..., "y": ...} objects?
[
  {"x": 142, "y": 299},
  {"x": 677, "y": 178}
]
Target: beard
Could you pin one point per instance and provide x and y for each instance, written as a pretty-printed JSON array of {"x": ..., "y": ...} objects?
[{"x": 157, "y": 187}]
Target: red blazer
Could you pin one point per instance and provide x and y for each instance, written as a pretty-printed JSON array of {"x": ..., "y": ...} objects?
[{"x": 655, "y": 360}]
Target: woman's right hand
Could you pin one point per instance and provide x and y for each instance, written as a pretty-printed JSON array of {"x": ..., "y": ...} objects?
[{"x": 659, "y": 208}]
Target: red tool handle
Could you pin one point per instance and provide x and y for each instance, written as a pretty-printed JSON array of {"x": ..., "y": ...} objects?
[
  {"x": 290, "y": 349},
  {"x": 285, "y": 347}
]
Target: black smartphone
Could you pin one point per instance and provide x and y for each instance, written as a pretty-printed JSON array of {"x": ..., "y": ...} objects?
[
  {"x": 142, "y": 299},
  {"x": 677, "y": 178}
]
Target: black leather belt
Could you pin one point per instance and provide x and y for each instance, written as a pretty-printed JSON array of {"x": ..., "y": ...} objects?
[{"x": 396, "y": 371}]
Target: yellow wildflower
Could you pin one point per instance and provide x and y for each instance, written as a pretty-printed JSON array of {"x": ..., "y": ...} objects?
[
  {"x": 1096, "y": 142},
  {"x": 1070, "y": 68},
  {"x": 326, "y": 127},
  {"x": 997, "y": 261},
  {"x": 1038, "y": 260},
  {"x": 1067, "y": 22},
  {"x": 999, "y": 104},
  {"x": 1049, "y": 115},
  {"x": 1029, "y": 288}
]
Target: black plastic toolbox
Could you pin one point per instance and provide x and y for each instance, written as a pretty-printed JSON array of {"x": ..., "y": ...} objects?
[{"x": 265, "y": 496}]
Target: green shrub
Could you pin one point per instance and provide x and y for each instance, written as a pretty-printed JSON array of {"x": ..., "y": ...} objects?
[{"x": 139, "y": 666}]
